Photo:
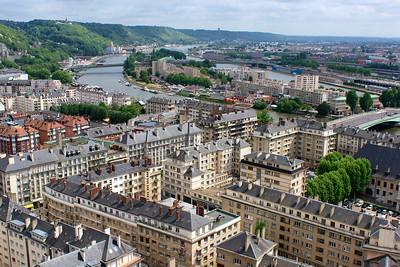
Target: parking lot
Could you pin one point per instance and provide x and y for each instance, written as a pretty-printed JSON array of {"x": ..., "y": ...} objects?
[{"x": 371, "y": 209}]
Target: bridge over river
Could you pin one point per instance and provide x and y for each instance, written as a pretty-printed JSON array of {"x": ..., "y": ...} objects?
[{"x": 368, "y": 119}]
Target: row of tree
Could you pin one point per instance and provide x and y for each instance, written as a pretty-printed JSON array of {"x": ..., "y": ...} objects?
[
  {"x": 216, "y": 75},
  {"x": 101, "y": 112},
  {"x": 339, "y": 177},
  {"x": 349, "y": 69},
  {"x": 365, "y": 101},
  {"x": 286, "y": 105},
  {"x": 391, "y": 98},
  {"x": 183, "y": 79}
]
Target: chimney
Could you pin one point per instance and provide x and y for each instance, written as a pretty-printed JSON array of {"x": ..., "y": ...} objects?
[
  {"x": 250, "y": 186},
  {"x": 247, "y": 242},
  {"x": 332, "y": 212},
  {"x": 11, "y": 160},
  {"x": 170, "y": 210},
  {"x": 321, "y": 208},
  {"x": 107, "y": 231},
  {"x": 282, "y": 197},
  {"x": 58, "y": 231},
  {"x": 82, "y": 256},
  {"x": 178, "y": 214},
  {"x": 261, "y": 191},
  {"x": 27, "y": 221},
  {"x": 240, "y": 183},
  {"x": 94, "y": 192},
  {"x": 119, "y": 241},
  {"x": 34, "y": 223},
  {"x": 160, "y": 209},
  {"x": 359, "y": 219},
  {"x": 78, "y": 231}
]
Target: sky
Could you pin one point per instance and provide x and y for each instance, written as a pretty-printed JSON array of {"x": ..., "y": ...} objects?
[{"x": 379, "y": 18}]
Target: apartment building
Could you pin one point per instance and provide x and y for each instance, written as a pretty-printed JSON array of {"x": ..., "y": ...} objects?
[
  {"x": 195, "y": 111},
  {"x": 274, "y": 171},
  {"x": 266, "y": 87},
  {"x": 92, "y": 95},
  {"x": 160, "y": 104},
  {"x": 313, "y": 98},
  {"x": 200, "y": 167},
  {"x": 384, "y": 185},
  {"x": 351, "y": 139},
  {"x": 129, "y": 179},
  {"x": 30, "y": 241},
  {"x": 74, "y": 125},
  {"x": 15, "y": 139},
  {"x": 111, "y": 132},
  {"x": 308, "y": 140},
  {"x": 244, "y": 73},
  {"x": 23, "y": 176},
  {"x": 49, "y": 131},
  {"x": 162, "y": 234},
  {"x": 237, "y": 124},
  {"x": 246, "y": 249},
  {"x": 308, "y": 83},
  {"x": 308, "y": 230},
  {"x": 155, "y": 144}
]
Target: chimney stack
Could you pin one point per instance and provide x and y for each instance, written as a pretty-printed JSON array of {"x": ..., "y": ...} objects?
[
  {"x": 178, "y": 214},
  {"x": 34, "y": 223},
  {"x": 247, "y": 242},
  {"x": 27, "y": 221},
  {"x": 119, "y": 241},
  {"x": 58, "y": 231},
  {"x": 107, "y": 231},
  {"x": 78, "y": 231}
]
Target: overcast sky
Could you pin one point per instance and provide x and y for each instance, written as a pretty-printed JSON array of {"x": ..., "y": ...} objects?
[{"x": 299, "y": 17}]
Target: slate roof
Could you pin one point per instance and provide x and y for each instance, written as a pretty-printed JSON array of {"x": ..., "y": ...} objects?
[
  {"x": 311, "y": 206},
  {"x": 98, "y": 254},
  {"x": 382, "y": 261},
  {"x": 248, "y": 245},
  {"x": 111, "y": 129},
  {"x": 384, "y": 160},
  {"x": 274, "y": 158},
  {"x": 136, "y": 207},
  {"x": 232, "y": 116},
  {"x": 160, "y": 133}
]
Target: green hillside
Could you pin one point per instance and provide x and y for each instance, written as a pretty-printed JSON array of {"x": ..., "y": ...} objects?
[
  {"x": 12, "y": 38},
  {"x": 230, "y": 36},
  {"x": 161, "y": 34}
]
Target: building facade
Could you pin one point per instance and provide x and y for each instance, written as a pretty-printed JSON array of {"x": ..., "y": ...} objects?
[
  {"x": 162, "y": 234},
  {"x": 274, "y": 171},
  {"x": 237, "y": 124},
  {"x": 310, "y": 231},
  {"x": 16, "y": 139}
]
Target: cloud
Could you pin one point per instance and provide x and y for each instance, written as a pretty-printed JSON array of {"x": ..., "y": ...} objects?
[{"x": 300, "y": 17}]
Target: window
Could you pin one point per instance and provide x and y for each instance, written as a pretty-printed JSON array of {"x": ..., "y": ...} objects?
[{"x": 237, "y": 261}]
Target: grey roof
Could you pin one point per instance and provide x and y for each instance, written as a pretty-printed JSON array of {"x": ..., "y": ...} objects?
[
  {"x": 106, "y": 173},
  {"x": 192, "y": 172},
  {"x": 285, "y": 124},
  {"x": 263, "y": 157},
  {"x": 97, "y": 254},
  {"x": 384, "y": 160},
  {"x": 382, "y": 261},
  {"x": 48, "y": 156},
  {"x": 311, "y": 206},
  {"x": 368, "y": 135},
  {"x": 111, "y": 129},
  {"x": 232, "y": 116},
  {"x": 248, "y": 245},
  {"x": 136, "y": 207},
  {"x": 160, "y": 133},
  {"x": 191, "y": 153}
]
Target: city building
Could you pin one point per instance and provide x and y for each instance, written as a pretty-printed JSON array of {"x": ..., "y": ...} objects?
[
  {"x": 244, "y": 73},
  {"x": 23, "y": 176},
  {"x": 351, "y": 139},
  {"x": 245, "y": 249},
  {"x": 111, "y": 132},
  {"x": 200, "y": 167},
  {"x": 13, "y": 74},
  {"x": 74, "y": 125},
  {"x": 274, "y": 171},
  {"x": 15, "y": 139},
  {"x": 156, "y": 144},
  {"x": 313, "y": 98},
  {"x": 196, "y": 111},
  {"x": 49, "y": 131},
  {"x": 129, "y": 179},
  {"x": 384, "y": 185},
  {"x": 237, "y": 124},
  {"x": 338, "y": 106},
  {"x": 308, "y": 230},
  {"x": 160, "y": 104},
  {"x": 308, "y": 140},
  {"x": 92, "y": 95},
  {"x": 308, "y": 83},
  {"x": 29, "y": 241},
  {"x": 267, "y": 87},
  {"x": 162, "y": 234}
]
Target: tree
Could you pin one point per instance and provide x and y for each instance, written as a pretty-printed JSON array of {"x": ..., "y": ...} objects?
[
  {"x": 260, "y": 104},
  {"x": 63, "y": 76},
  {"x": 260, "y": 225},
  {"x": 323, "y": 109},
  {"x": 264, "y": 117},
  {"x": 366, "y": 102},
  {"x": 144, "y": 76},
  {"x": 352, "y": 99}
]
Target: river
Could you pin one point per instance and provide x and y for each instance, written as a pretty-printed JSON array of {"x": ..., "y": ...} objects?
[{"x": 108, "y": 78}]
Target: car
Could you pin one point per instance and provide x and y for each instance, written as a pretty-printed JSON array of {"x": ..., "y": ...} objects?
[
  {"x": 384, "y": 212},
  {"x": 390, "y": 213},
  {"x": 365, "y": 205},
  {"x": 369, "y": 207}
]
